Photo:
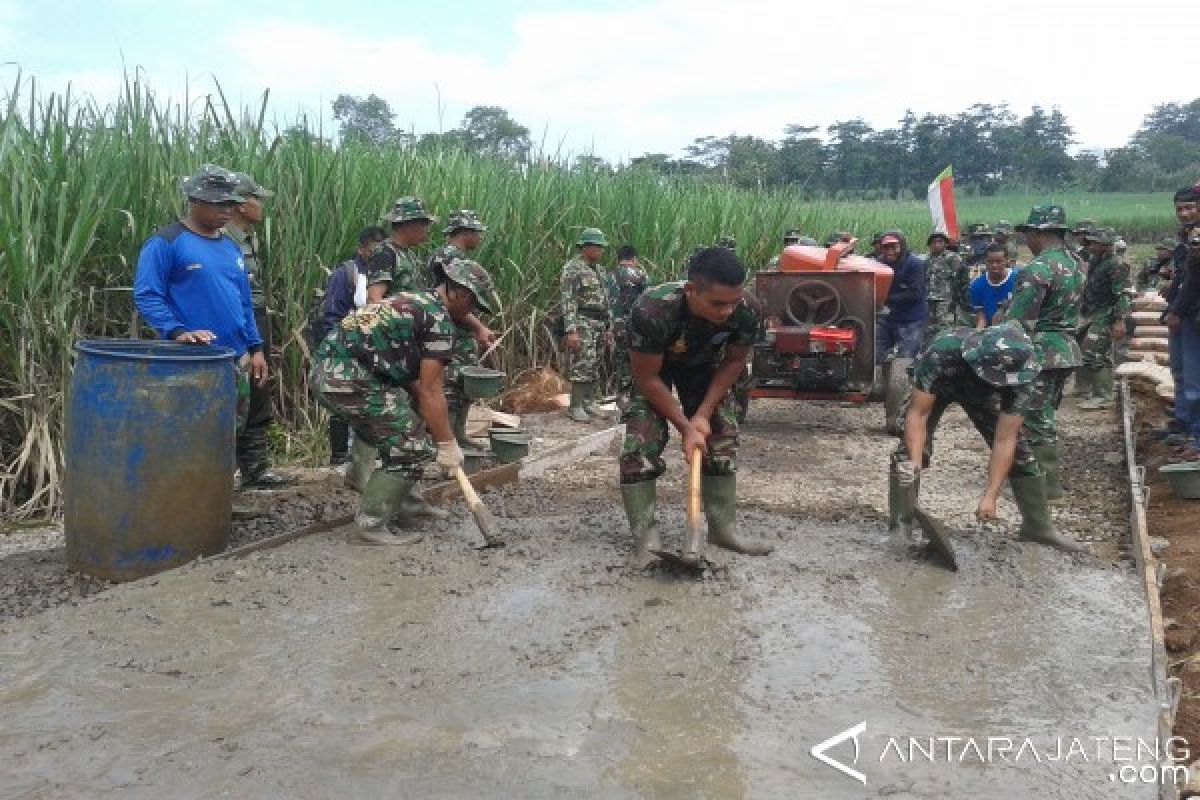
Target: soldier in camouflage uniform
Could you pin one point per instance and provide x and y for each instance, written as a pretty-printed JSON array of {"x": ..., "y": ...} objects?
[
  {"x": 990, "y": 374},
  {"x": 1105, "y": 307},
  {"x": 587, "y": 322},
  {"x": 1079, "y": 248},
  {"x": 381, "y": 370},
  {"x": 947, "y": 284},
  {"x": 1046, "y": 302},
  {"x": 694, "y": 336},
  {"x": 791, "y": 237},
  {"x": 1151, "y": 273},
  {"x": 628, "y": 282},
  {"x": 1004, "y": 236},
  {"x": 464, "y": 234},
  {"x": 394, "y": 266},
  {"x": 979, "y": 236},
  {"x": 253, "y": 450}
]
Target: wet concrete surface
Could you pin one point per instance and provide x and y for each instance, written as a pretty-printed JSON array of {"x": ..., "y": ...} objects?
[{"x": 323, "y": 669}]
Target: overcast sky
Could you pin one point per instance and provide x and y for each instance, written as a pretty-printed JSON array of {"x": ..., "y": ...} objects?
[{"x": 621, "y": 78}]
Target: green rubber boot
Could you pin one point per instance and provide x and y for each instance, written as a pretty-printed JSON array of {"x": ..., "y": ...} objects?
[
  {"x": 1102, "y": 391},
  {"x": 720, "y": 509},
  {"x": 412, "y": 506},
  {"x": 1047, "y": 458},
  {"x": 1085, "y": 379},
  {"x": 1030, "y": 494},
  {"x": 902, "y": 499},
  {"x": 380, "y": 502},
  {"x": 640, "y": 499},
  {"x": 579, "y": 394},
  {"x": 362, "y": 464},
  {"x": 591, "y": 406}
]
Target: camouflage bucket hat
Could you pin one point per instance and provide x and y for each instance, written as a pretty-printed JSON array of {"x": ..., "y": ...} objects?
[
  {"x": 248, "y": 187},
  {"x": 793, "y": 235},
  {"x": 1102, "y": 236},
  {"x": 1002, "y": 355},
  {"x": 463, "y": 220},
  {"x": 409, "y": 209},
  {"x": 979, "y": 229},
  {"x": 937, "y": 235},
  {"x": 1045, "y": 218},
  {"x": 591, "y": 236},
  {"x": 470, "y": 274},
  {"x": 1083, "y": 227},
  {"x": 1004, "y": 226},
  {"x": 807, "y": 241},
  {"x": 212, "y": 184}
]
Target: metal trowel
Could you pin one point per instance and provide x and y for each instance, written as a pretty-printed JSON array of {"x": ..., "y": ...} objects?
[
  {"x": 939, "y": 539},
  {"x": 692, "y": 555}
]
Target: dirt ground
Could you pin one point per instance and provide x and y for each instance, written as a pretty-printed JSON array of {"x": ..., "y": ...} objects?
[
  {"x": 1176, "y": 523},
  {"x": 544, "y": 669}
]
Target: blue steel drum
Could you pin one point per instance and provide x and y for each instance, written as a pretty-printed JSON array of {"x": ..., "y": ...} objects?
[{"x": 149, "y": 456}]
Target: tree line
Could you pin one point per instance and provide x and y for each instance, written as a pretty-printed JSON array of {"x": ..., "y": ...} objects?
[{"x": 991, "y": 148}]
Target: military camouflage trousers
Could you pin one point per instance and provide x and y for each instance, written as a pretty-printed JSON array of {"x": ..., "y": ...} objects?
[
  {"x": 646, "y": 431},
  {"x": 584, "y": 365},
  {"x": 381, "y": 414},
  {"x": 984, "y": 419},
  {"x": 1097, "y": 345},
  {"x": 1041, "y": 422},
  {"x": 465, "y": 354},
  {"x": 621, "y": 366}
]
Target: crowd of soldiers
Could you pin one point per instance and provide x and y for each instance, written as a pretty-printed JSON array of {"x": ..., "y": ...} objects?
[{"x": 395, "y": 332}]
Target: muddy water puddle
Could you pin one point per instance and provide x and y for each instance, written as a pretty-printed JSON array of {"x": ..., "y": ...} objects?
[{"x": 542, "y": 670}]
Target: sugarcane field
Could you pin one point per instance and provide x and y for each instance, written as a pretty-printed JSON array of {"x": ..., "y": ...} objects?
[{"x": 605, "y": 401}]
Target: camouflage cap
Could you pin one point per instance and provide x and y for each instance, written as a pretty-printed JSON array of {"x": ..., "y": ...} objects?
[
  {"x": 1045, "y": 218},
  {"x": 979, "y": 229},
  {"x": 470, "y": 274},
  {"x": 1101, "y": 236},
  {"x": 212, "y": 184},
  {"x": 591, "y": 236},
  {"x": 1004, "y": 226},
  {"x": 247, "y": 186},
  {"x": 793, "y": 234},
  {"x": 1083, "y": 227},
  {"x": 463, "y": 219},
  {"x": 409, "y": 209},
  {"x": 726, "y": 241},
  {"x": 807, "y": 241},
  {"x": 1002, "y": 355}
]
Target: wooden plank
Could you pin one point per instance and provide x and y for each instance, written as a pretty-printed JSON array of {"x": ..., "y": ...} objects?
[
  {"x": 570, "y": 452},
  {"x": 283, "y": 538}
]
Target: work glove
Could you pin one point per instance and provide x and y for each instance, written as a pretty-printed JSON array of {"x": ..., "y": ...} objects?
[{"x": 449, "y": 457}]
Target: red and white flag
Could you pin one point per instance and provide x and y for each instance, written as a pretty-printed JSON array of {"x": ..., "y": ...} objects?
[{"x": 941, "y": 204}]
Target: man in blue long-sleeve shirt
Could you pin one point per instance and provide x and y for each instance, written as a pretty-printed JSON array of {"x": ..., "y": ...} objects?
[
  {"x": 191, "y": 283},
  {"x": 902, "y": 327}
]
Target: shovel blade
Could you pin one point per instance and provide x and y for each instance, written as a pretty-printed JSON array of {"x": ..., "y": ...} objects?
[
  {"x": 940, "y": 546},
  {"x": 690, "y": 561}
]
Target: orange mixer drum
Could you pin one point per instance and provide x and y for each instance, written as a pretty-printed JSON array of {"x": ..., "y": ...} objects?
[{"x": 805, "y": 258}]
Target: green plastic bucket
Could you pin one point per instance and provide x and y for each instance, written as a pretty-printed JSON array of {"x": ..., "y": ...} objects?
[
  {"x": 509, "y": 446},
  {"x": 481, "y": 383},
  {"x": 1184, "y": 478}
]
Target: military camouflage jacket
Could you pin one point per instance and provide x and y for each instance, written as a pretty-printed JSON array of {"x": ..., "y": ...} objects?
[
  {"x": 1046, "y": 301},
  {"x": 942, "y": 371},
  {"x": 247, "y": 241},
  {"x": 584, "y": 290},
  {"x": 435, "y": 270},
  {"x": 626, "y": 286},
  {"x": 1104, "y": 297},
  {"x": 949, "y": 282},
  {"x": 394, "y": 265},
  {"x": 392, "y": 337},
  {"x": 661, "y": 325}
]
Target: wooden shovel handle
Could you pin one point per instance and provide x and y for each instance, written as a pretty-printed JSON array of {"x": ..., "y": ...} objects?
[
  {"x": 693, "y": 494},
  {"x": 468, "y": 490}
]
